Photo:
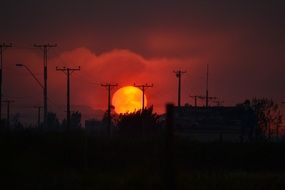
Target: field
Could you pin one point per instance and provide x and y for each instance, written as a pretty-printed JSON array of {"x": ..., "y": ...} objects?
[{"x": 33, "y": 160}]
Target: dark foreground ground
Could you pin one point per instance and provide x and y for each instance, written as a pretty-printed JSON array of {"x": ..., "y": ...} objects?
[{"x": 79, "y": 161}]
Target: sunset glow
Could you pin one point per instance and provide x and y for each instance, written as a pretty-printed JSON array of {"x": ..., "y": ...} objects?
[{"x": 128, "y": 99}]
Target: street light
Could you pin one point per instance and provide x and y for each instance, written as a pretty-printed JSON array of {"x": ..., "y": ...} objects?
[
  {"x": 34, "y": 76},
  {"x": 36, "y": 79}
]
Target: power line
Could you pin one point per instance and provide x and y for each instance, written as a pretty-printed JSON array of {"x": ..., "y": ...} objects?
[
  {"x": 178, "y": 75},
  {"x": 109, "y": 86},
  {"x": 68, "y": 71},
  {"x": 143, "y": 87},
  {"x": 86, "y": 80},
  {"x": 3, "y": 47}
]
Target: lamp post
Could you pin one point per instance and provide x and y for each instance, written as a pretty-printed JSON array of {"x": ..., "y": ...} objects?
[
  {"x": 34, "y": 76},
  {"x": 39, "y": 83}
]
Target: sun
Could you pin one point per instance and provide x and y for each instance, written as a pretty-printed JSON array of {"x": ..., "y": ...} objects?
[{"x": 128, "y": 99}]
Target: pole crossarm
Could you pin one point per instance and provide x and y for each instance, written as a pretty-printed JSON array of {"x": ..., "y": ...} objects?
[
  {"x": 143, "y": 87},
  {"x": 109, "y": 85},
  {"x": 44, "y": 46},
  {"x": 179, "y": 73},
  {"x": 211, "y": 98},
  {"x": 68, "y": 69}
]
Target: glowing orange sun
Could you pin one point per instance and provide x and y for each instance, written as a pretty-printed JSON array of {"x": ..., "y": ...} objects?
[{"x": 128, "y": 99}]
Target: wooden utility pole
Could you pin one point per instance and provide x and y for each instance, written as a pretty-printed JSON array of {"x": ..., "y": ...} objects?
[
  {"x": 39, "y": 115},
  {"x": 143, "y": 87},
  {"x": 109, "y": 86},
  {"x": 3, "y": 47},
  {"x": 178, "y": 75},
  {"x": 45, "y": 48},
  {"x": 195, "y": 100},
  {"x": 68, "y": 71}
]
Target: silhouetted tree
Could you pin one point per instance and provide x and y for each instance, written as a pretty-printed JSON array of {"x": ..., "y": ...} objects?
[
  {"x": 138, "y": 123},
  {"x": 75, "y": 120},
  {"x": 268, "y": 115},
  {"x": 52, "y": 121},
  {"x": 15, "y": 121}
]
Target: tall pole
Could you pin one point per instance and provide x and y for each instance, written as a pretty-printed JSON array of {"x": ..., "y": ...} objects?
[
  {"x": 207, "y": 87},
  {"x": 39, "y": 115},
  {"x": 178, "y": 75},
  {"x": 8, "y": 111},
  {"x": 210, "y": 98},
  {"x": 3, "y": 46},
  {"x": 45, "y": 48},
  {"x": 68, "y": 71},
  {"x": 143, "y": 87},
  {"x": 195, "y": 100},
  {"x": 109, "y": 86}
]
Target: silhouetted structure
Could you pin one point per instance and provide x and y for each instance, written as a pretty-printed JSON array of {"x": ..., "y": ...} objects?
[
  {"x": 143, "y": 87},
  {"x": 109, "y": 86},
  {"x": 68, "y": 71},
  {"x": 3, "y": 47},
  {"x": 178, "y": 75},
  {"x": 215, "y": 123}
]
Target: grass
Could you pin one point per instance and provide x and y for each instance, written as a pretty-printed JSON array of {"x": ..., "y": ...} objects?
[{"x": 59, "y": 161}]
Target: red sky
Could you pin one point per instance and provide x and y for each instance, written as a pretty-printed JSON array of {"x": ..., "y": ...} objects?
[{"x": 130, "y": 42}]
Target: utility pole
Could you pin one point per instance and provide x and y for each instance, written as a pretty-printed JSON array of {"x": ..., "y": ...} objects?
[
  {"x": 68, "y": 71},
  {"x": 45, "y": 48},
  {"x": 3, "y": 47},
  {"x": 143, "y": 87},
  {"x": 8, "y": 111},
  {"x": 218, "y": 102},
  {"x": 207, "y": 87},
  {"x": 205, "y": 97},
  {"x": 39, "y": 115},
  {"x": 109, "y": 86},
  {"x": 178, "y": 75},
  {"x": 195, "y": 100}
]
